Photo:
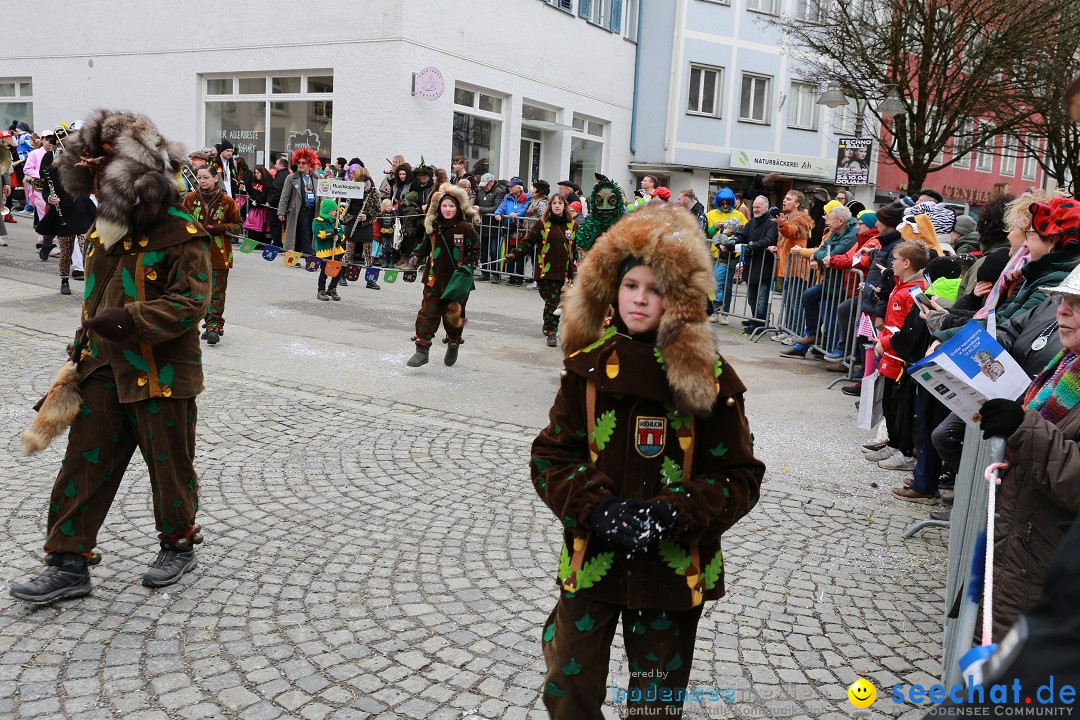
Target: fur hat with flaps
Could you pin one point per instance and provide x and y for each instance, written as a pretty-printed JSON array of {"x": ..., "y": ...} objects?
[
  {"x": 669, "y": 240},
  {"x": 136, "y": 171},
  {"x": 460, "y": 198}
]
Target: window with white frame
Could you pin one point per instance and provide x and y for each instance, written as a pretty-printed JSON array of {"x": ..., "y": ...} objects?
[
  {"x": 844, "y": 117},
  {"x": 1031, "y": 159},
  {"x": 267, "y": 114},
  {"x": 802, "y": 106},
  {"x": 598, "y": 12},
  {"x": 586, "y": 148},
  {"x": 754, "y": 98},
  {"x": 984, "y": 156},
  {"x": 565, "y": 5},
  {"x": 632, "y": 10},
  {"x": 717, "y": 2},
  {"x": 810, "y": 10},
  {"x": 771, "y": 7},
  {"x": 16, "y": 101},
  {"x": 1008, "y": 156},
  {"x": 962, "y": 144},
  {"x": 703, "y": 97},
  {"x": 477, "y": 133}
]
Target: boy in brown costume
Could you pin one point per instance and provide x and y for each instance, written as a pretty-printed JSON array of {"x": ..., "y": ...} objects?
[
  {"x": 138, "y": 361},
  {"x": 646, "y": 462}
]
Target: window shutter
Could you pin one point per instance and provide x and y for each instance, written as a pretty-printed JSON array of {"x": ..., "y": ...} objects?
[
  {"x": 583, "y": 8},
  {"x": 616, "y": 16}
]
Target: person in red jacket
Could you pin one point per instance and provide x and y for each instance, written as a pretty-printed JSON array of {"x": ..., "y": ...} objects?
[{"x": 909, "y": 259}]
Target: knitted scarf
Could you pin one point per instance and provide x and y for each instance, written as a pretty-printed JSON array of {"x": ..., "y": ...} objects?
[{"x": 1056, "y": 390}]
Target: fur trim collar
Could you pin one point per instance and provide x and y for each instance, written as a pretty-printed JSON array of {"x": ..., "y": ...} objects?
[
  {"x": 459, "y": 195},
  {"x": 670, "y": 241},
  {"x": 122, "y": 158}
]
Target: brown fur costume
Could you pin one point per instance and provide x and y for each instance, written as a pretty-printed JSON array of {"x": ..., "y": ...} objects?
[
  {"x": 136, "y": 171},
  {"x": 669, "y": 240},
  {"x": 459, "y": 196}
]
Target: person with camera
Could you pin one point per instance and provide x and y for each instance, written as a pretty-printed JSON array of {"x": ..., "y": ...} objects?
[{"x": 756, "y": 237}]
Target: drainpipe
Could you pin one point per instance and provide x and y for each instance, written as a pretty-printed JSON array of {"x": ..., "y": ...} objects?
[
  {"x": 637, "y": 75},
  {"x": 673, "y": 89}
]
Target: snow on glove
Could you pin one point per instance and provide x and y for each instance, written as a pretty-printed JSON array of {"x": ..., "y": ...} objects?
[
  {"x": 112, "y": 324},
  {"x": 622, "y": 522},
  {"x": 1001, "y": 418}
]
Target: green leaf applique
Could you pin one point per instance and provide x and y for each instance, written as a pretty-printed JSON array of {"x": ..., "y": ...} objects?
[
  {"x": 129, "y": 284},
  {"x": 586, "y": 623},
  {"x": 713, "y": 570},
  {"x": 676, "y": 557},
  {"x": 165, "y": 374},
  {"x": 564, "y": 564},
  {"x": 719, "y": 368},
  {"x": 154, "y": 256},
  {"x": 660, "y": 358},
  {"x": 662, "y": 622},
  {"x": 89, "y": 283},
  {"x": 670, "y": 473},
  {"x": 571, "y": 668},
  {"x": 594, "y": 570},
  {"x": 719, "y": 451},
  {"x": 137, "y": 361},
  {"x": 549, "y": 632},
  {"x": 608, "y": 334},
  {"x": 605, "y": 426},
  {"x": 541, "y": 464},
  {"x": 678, "y": 421}
]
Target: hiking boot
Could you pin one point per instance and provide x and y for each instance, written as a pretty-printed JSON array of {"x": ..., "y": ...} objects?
[
  {"x": 795, "y": 351},
  {"x": 65, "y": 577},
  {"x": 204, "y": 334},
  {"x": 899, "y": 461},
  {"x": 451, "y": 354},
  {"x": 44, "y": 251},
  {"x": 373, "y": 286},
  {"x": 552, "y": 341},
  {"x": 321, "y": 295},
  {"x": 169, "y": 566},
  {"x": 420, "y": 357},
  {"x": 65, "y": 289},
  {"x": 333, "y": 295},
  {"x": 212, "y": 337}
]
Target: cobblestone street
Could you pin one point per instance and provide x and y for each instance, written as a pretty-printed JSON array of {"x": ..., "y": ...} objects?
[{"x": 372, "y": 553}]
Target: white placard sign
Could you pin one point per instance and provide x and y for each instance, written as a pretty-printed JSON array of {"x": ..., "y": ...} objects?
[{"x": 329, "y": 187}]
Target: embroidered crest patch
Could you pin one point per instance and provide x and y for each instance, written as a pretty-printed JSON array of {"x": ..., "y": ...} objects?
[
  {"x": 458, "y": 240},
  {"x": 651, "y": 435}
]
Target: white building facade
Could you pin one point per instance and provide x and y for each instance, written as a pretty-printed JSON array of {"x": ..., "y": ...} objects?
[
  {"x": 719, "y": 101},
  {"x": 538, "y": 89}
]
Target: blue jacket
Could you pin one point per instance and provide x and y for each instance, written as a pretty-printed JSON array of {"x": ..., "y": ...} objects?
[{"x": 510, "y": 205}]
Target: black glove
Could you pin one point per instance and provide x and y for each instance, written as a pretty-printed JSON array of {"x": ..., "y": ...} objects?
[
  {"x": 622, "y": 522},
  {"x": 1001, "y": 418},
  {"x": 111, "y": 323},
  {"x": 663, "y": 517}
]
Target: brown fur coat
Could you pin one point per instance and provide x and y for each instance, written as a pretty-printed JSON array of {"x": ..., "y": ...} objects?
[{"x": 670, "y": 241}]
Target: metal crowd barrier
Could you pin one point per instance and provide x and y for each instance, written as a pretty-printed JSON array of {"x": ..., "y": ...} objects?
[
  {"x": 836, "y": 287},
  {"x": 497, "y": 238},
  {"x": 734, "y": 297}
]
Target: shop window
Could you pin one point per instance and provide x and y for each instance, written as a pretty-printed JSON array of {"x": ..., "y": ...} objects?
[{"x": 479, "y": 141}]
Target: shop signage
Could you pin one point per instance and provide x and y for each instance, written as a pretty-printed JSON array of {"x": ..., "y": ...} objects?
[
  {"x": 429, "y": 83},
  {"x": 853, "y": 161},
  {"x": 245, "y": 142},
  {"x": 305, "y": 139},
  {"x": 784, "y": 164},
  {"x": 328, "y": 187}
]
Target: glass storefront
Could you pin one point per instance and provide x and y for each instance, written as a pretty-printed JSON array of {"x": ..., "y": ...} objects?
[
  {"x": 585, "y": 160},
  {"x": 16, "y": 102},
  {"x": 479, "y": 140},
  {"x": 266, "y": 115}
]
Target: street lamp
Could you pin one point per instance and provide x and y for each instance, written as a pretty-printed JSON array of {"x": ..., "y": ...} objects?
[
  {"x": 834, "y": 97},
  {"x": 891, "y": 106}
]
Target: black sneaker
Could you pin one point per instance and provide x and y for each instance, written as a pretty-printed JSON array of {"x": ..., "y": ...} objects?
[
  {"x": 44, "y": 251},
  {"x": 853, "y": 390},
  {"x": 204, "y": 334},
  {"x": 65, "y": 577},
  {"x": 373, "y": 286},
  {"x": 65, "y": 288},
  {"x": 552, "y": 341},
  {"x": 333, "y": 294},
  {"x": 169, "y": 566},
  {"x": 77, "y": 275},
  {"x": 343, "y": 283},
  {"x": 212, "y": 337}
]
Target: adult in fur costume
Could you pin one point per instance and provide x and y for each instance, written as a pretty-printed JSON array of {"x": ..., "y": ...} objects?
[
  {"x": 605, "y": 209},
  {"x": 646, "y": 461},
  {"x": 136, "y": 365},
  {"x": 451, "y": 242}
]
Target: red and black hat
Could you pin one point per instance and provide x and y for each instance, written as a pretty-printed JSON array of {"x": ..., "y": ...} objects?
[{"x": 1057, "y": 221}]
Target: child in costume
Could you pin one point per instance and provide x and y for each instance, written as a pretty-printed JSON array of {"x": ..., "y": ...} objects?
[
  {"x": 218, "y": 214},
  {"x": 325, "y": 234},
  {"x": 554, "y": 236},
  {"x": 386, "y": 226},
  {"x": 452, "y": 241},
  {"x": 646, "y": 461}
]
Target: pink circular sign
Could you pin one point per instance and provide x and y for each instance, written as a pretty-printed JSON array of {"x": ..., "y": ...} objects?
[{"x": 429, "y": 83}]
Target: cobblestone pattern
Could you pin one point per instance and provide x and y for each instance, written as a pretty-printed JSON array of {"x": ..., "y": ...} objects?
[{"x": 366, "y": 558}]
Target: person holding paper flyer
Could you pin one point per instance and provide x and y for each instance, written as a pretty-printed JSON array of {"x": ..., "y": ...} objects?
[{"x": 1040, "y": 490}]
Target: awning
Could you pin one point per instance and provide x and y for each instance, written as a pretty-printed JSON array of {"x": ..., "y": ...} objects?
[{"x": 545, "y": 125}]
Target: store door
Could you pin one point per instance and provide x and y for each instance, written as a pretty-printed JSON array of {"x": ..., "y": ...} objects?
[{"x": 529, "y": 159}]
